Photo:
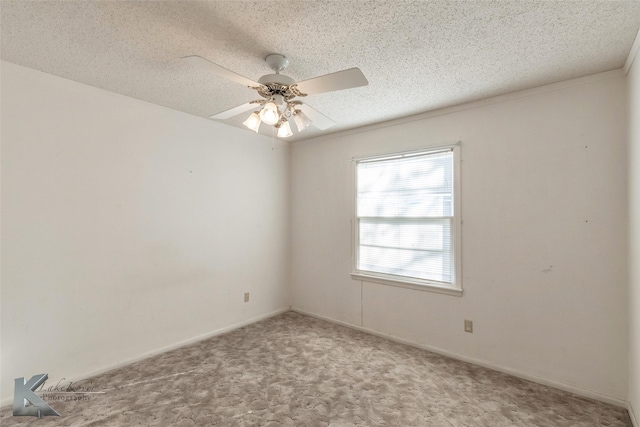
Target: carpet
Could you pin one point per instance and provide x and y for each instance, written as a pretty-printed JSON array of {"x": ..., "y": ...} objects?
[{"x": 295, "y": 370}]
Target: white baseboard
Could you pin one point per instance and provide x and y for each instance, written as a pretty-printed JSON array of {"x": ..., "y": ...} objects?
[
  {"x": 632, "y": 415},
  {"x": 544, "y": 381},
  {"x": 9, "y": 401}
]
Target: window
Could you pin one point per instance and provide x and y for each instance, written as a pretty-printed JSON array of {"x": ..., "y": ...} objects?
[{"x": 407, "y": 225}]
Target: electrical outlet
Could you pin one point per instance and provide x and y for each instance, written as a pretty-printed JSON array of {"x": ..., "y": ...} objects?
[
  {"x": 246, "y": 297},
  {"x": 468, "y": 326}
]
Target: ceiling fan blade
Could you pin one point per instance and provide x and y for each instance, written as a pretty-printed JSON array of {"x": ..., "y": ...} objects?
[
  {"x": 345, "y": 79},
  {"x": 235, "y": 111},
  {"x": 318, "y": 119},
  {"x": 199, "y": 61}
]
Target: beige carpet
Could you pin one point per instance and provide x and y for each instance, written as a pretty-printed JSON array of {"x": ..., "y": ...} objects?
[{"x": 293, "y": 370}]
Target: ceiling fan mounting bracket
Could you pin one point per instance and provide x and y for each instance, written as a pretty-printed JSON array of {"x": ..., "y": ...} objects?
[{"x": 277, "y": 62}]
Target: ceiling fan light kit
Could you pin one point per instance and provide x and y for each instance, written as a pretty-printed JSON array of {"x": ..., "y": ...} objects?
[
  {"x": 253, "y": 122},
  {"x": 278, "y": 92},
  {"x": 270, "y": 113},
  {"x": 302, "y": 121},
  {"x": 284, "y": 130}
]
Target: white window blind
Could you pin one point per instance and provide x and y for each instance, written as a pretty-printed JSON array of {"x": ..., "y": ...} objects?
[{"x": 405, "y": 216}]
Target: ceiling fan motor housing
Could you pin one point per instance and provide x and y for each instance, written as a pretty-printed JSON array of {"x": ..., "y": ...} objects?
[
  {"x": 277, "y": 84},
  {"x": 276, "y": 78}
]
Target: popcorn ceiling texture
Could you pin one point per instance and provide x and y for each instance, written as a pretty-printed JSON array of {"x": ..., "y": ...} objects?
[
  {"x": 417, "y": 55},
  {"x": 294, "y": 370}
]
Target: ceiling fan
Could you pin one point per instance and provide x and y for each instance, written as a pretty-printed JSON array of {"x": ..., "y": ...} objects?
[{"x": 278, "y": 104}]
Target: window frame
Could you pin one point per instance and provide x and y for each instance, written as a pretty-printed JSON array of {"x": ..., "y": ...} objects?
[{"x": 455, "y": 287}]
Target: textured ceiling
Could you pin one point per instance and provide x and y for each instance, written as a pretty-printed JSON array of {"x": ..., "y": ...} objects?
[{"x": 417, "y": 55}]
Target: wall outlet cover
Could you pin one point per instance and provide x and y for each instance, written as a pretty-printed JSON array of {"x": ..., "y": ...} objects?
[{"x": 468, "y": 326}]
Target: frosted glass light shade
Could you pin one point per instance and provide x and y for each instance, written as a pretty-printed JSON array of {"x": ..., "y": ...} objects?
[
  {"x": 302, "y": 121},
  {"x": 284, "y": 130},
  {"x": 253, "y": 122},
  {"x": 270, "y": 114}
]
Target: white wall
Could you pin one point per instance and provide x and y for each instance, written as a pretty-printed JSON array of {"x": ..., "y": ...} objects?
[
  {"x": 128, "y": 227},
  {"x": 544, "y": 209},
  {"x": 634, "y": 240}
]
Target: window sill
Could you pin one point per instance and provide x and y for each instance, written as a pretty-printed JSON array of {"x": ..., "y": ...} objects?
[{"x": 426, "y": 287}]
